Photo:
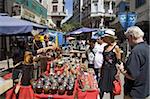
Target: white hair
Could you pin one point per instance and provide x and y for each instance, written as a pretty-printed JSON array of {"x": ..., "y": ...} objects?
[{"x": 134, "y": 31}]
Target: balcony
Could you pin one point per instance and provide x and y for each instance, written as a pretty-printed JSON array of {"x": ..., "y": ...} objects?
[
  {"x": 61, "y": 14},
  {"x": 55, "y": 1}
]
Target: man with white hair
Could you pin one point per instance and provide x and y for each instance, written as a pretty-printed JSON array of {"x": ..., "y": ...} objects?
[{"x": 136, "y": 69}]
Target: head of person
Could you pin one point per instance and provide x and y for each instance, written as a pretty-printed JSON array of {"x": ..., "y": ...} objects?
[
  {"x": 92, "y": 43},
  {"x": 109, "y": 37},
  {"x": 134, "y": 35},
  {"x": 28, "y": 57},
  {"x": 100, "y": 40},
  {"x": 21, "y": 44},
  {"x": 37, "y": 37},
  {"x": 46, "y": 37}
]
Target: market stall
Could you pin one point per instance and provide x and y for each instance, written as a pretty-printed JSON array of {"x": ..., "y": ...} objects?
[{"x": 65, "y": 77}]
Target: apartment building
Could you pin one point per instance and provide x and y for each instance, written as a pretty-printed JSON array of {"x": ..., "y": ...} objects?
[
  {"x": 98, "y": 13},
  {"x": 55, "y": 11},
  {"x": 141, "y": 7}
]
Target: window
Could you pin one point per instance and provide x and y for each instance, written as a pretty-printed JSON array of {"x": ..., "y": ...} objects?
[
  {"x": 55, "y": 1},
  {"x": 95, "y": 7},
  {"x": 58, "y": 23},
  {"x": 94, "y": 1},
  {"x": 63, "y": 1},
  {"x": 63, "y": 8},
  {"x": 55, "y": 8},
  {"x": 139, "y": 3},
  {"x": 40, "y": 1}
]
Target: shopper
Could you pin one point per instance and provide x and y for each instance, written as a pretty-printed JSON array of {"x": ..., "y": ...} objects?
[
  {"x": 136, "y": 69},
  {"x": 98, "y": 60},
  {"x": 109, "y": 71},
  {"x": 90, "y": 54}
]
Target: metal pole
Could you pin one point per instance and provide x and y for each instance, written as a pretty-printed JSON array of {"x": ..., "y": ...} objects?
[{"x": 7, "y": 51}]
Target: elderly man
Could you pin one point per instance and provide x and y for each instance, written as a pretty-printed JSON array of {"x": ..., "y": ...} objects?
[{"x": 136, "y": 69}]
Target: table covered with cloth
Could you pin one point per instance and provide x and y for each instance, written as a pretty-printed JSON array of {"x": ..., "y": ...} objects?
[{"x": 56, "y": 96}]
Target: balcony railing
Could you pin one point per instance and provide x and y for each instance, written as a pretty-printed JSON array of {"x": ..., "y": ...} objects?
[
  {"x": 55, "y": 1},
  {"x": 63, "y": 14}
]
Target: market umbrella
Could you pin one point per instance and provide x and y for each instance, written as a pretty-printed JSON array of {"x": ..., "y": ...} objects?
[
  {"x": 70, "y": 38},
  {"x": 9, "y": 25},
  {"x": 81, "y": 30}
]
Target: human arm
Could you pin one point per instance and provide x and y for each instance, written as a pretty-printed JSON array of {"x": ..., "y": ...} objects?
[
  {"x": 124, "y": 72},
  {"x": 118, "y": 56}
]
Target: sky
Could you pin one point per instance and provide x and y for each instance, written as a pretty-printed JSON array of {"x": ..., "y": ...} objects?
[{"x": 68, "y": 7}]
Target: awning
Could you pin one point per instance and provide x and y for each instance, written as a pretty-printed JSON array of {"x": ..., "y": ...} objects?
[
  {"x": 9, "y": 25},
  {"x": 81, "y": 30}
]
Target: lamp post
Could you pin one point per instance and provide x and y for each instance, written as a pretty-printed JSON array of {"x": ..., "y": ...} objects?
[{"x": 127, "y": 19}]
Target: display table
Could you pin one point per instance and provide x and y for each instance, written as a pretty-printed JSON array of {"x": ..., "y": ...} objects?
[
  {"x": 92, "y": 92},
  {"x": 56, "y": 96},
  {"x": 88, "y": 94},
  {"x": 25, "y": 92}
]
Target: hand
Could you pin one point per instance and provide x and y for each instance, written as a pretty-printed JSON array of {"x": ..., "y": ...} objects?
[
  {"x": 117, "y": 77},
  {"x": 120, "y": 67}
]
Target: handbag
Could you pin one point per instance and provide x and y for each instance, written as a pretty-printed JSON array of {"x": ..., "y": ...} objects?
[{"x": 117, "y": 87}]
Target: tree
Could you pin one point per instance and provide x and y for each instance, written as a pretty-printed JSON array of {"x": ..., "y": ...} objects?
[{"x": 67, "y": 27}]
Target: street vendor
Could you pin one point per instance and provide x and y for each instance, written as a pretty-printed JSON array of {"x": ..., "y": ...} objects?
[
  {"x": 37, "y": 42},
  {"x": 25, "y": 68}
]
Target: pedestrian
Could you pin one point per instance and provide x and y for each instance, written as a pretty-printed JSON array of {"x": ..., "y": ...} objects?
[
  {"x": 136, "y": 69},
  {"x": 90, "y": 54},
  {"x": 109, "y": 72},
  {"x": 98, "y": 60}
]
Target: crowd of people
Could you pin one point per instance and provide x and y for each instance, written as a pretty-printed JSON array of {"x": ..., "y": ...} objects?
[{"x": 104, "y": 56}]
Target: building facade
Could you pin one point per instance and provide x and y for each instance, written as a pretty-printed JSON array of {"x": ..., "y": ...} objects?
[
  {"x": 141, "y": 7},
  {"x": 97, "y": 13},
  {"x": 77, "y": 12},
  {"x": 55, "y": 10},
  {"x": 6, "y": 6},
  {"x": 31, "y": 10}
]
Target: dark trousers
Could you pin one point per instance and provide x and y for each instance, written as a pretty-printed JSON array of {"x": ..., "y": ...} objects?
[
  {"x": 91, "y": 66},
  {"x": 96, "y": 73}
]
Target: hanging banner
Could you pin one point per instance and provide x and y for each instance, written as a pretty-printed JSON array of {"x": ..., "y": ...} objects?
[
  {"x": 132, "y": 17},
  {"x": 123, "y": 19},
  {"x": 127, "y": 19}
]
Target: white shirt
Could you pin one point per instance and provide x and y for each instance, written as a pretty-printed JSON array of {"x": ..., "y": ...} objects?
[
  {"x": 91, "y": 58},
  {"x": 98, "y": 49}
]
